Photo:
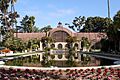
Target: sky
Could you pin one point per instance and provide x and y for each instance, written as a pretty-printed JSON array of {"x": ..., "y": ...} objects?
[{"x": 50, "y": 12}]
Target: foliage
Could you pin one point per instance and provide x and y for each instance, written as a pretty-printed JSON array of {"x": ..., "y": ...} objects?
[
  {"x": 105, "y": 45},
  {"x": 71, "y": 54},
  {"x": 7, "y": 17},
  {"x": 71, "y": 50},
  {"x": 86, "y": 60},
  {"x": 85, "y": 42},
  {"x": 36, "y": 29},
  {"x": 14, "y": 44},
  {"x": 70, "y": 39},
  {"x": 27, "y": 24},
  {"x": 116, "y": 20},
  {"x": 46, "y": 30},
  {"x": 33, "y": 44},
  {"x": 91, "y": 24},
  {"x": 78, "y": 23},
  {"x": 96, "y": 24},
  {"x": 114, "y": 32},
  {"x": 45, "y": 41},
  {"x": 46, "y": 62}
]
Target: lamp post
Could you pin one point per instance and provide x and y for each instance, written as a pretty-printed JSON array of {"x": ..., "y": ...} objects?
[{"x": 108, "y": 3}]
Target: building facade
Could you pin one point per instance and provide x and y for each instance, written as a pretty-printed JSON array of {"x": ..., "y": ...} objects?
[{"x": 59, "y": 35}]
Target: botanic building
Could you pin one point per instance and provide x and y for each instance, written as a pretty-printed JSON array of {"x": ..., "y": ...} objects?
[{"x": 59, "y": 35}]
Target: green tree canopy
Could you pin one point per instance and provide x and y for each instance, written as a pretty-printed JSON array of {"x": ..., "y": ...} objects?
[
  {"x": 96, "y": 24},
  {"x": 14, "y": 44},
  {"x": 116, "y": 20},
  {"x": 77, "y": 23},
  {"x": 91, "y": 24},
  {"x": 7, "y": 18},
  {"x": 114, "y": 33},
  {"x": 71, "y": 50},
  {"x": 27, "y": 24},
  {"x": 46, "y": 30},
  {"x": 114, "y": 30}
]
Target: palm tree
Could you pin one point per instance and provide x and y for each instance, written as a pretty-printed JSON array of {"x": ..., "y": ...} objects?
[
  {"x": 45, "y": 41},
  {"x": 46, "y": 30}
]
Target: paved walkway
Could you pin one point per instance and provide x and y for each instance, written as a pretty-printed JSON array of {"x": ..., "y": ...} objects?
[{"x": 57, "y": 68}]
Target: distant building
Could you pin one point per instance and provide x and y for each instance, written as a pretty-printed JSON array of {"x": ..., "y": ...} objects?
[{"x": 59, "y": 34}]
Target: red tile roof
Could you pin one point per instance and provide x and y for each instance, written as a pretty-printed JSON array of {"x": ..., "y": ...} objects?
[{"x": 28, "y": 36}]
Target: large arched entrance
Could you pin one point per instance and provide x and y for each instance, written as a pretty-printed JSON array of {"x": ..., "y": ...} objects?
[
  {"x": 60, "y": 46},
  {"x": 60, "y": 36}
]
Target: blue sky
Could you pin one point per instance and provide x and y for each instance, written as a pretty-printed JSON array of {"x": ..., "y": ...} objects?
[{"x": 50, "y": 12}]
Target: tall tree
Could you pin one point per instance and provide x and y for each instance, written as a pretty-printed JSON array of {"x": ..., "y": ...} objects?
[
  {"x": 7, "y": 18},
  {"x": 27, "y": 24},
  {"x": 46, "y": 40},
  {"x": 96, "y": 24},
  {"x": 114, "y": 31},
  {"x": 77, "y": 23},
  {"x": 116, "y": 20},
  {"x": 91, "y": 24}
]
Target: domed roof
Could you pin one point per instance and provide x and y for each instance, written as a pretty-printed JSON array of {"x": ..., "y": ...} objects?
[{"x": 61, "y": 28}]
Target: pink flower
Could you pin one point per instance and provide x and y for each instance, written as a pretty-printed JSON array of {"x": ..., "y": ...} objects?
[
  {"x": 106, "y": 70},
  {"x": 93, "y": 70},
  {"x": 104, "y": 74},
  {"x": 99, "y": 70}
]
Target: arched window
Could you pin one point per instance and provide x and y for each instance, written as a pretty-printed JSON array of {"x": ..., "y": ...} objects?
[
  {"x": 60, "y": 36},
  {"x": 60, "y": 56},
  {"x": 60, "y": 46},
  {"x": 76, "y": 45},
  {"x": 52, "y": 56},
  {"x": 52, "y": 46},
  {"x": 76, "y": 55}
]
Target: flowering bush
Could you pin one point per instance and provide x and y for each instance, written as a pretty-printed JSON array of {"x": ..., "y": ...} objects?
[
  {"x": 72, "y": 74},
  {"x": 5, "y": 50}
]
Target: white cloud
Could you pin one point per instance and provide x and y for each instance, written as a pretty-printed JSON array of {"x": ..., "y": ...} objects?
[{"x": 62, "y": 12}]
